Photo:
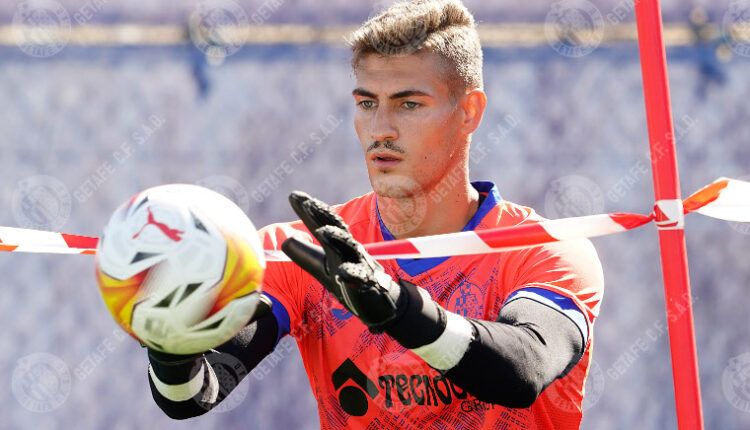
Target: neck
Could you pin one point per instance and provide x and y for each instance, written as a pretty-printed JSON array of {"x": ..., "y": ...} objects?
[{"x": 445, "y": 208}]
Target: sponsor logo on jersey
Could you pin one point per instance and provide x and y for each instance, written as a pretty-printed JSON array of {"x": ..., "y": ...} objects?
[
  {"x": 352, "y": 398},
  {"x": 397, "y": 391}
]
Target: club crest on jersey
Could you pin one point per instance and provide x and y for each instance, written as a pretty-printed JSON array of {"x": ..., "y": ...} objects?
[{"x": 466, "y": 299}]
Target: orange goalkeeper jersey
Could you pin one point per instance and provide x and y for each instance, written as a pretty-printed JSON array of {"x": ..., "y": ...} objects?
[{"x": 369, "y": 381}]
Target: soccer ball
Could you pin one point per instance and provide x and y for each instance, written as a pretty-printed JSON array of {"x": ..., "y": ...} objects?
[{"x": 180, "y": 268}]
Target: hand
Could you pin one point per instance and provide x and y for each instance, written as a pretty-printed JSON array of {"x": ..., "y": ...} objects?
[{"x": 342, "y": 265}]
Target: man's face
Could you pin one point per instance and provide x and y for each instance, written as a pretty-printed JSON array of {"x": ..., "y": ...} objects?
[{"x": 408, "y": 124}]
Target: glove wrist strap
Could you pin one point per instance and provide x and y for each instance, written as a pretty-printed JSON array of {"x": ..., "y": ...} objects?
[{"x": 420, "y": 320}]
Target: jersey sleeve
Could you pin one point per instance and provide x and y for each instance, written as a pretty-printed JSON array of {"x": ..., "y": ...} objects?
[
  {"x": 566, "y": 276},
  {"x": 282, "y": 281}
]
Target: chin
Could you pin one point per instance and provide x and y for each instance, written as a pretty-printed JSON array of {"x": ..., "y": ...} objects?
[{"x": 394, "y": 185}]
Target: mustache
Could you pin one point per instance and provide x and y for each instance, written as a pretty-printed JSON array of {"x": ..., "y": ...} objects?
[{"x": 387, "y": 144}]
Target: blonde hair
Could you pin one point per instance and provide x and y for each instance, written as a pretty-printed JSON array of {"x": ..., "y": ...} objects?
[{"x": 444, "y": 27}]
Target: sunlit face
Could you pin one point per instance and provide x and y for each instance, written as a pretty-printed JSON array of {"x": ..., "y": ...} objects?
[{"x": 409, "y": 126}]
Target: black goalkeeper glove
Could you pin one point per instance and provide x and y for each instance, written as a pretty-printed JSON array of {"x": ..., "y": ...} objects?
[
  {"x": 343, "y": 266},
  {"x": 346, "y": 270}
]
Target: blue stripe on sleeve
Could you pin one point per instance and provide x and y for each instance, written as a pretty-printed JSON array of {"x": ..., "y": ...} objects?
[
  {"x": 556, "y": 301},
  {"x": 282, "y": 317}
]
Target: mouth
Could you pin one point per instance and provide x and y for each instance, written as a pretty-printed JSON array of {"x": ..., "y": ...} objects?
[{"x": 385, "y": 159}]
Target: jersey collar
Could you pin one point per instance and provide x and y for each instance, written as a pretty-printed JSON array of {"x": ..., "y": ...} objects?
[{"x": 416, "y": 266}]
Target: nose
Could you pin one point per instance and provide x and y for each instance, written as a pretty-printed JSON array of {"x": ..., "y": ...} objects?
[{"x": 382, "y": 127}]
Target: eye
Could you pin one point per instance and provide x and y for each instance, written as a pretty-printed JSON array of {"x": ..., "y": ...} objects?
[
  {"x": 366, "y": 104},
  {"x": 411, "y": 105}
]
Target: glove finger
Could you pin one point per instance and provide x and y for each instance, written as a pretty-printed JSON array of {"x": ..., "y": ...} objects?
[
  {"x": 309, "y": 257},
  {"x": 345, "y": 247},
  {"x": 314, "y": 213},
  {"x": 339, "y": 245},
  {"x": 362, "y": 275},
  {"x": 364, "y": 294},
  {"x": 350, "y": 276},
  {"x": 353, "y": 273},
  {"x": 324, "y": 214},
  {"x": 296, "y": 200},
  {"x": 312, "y": 259}
]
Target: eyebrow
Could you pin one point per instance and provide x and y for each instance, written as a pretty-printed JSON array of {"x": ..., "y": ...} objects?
[{"x": 399, "y": 95}]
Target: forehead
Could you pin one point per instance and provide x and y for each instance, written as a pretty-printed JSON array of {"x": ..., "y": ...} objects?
[{"x": 426, "y": 71}]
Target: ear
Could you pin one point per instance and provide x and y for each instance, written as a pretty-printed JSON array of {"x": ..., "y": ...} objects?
[{"x": 473, "y": 104}]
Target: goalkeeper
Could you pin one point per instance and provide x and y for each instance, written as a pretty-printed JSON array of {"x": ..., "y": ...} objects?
[{"x": 500, "y": 340}]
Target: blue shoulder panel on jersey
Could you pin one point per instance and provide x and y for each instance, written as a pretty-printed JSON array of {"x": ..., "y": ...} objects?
[
  {"x": 282, "y": 317},
  {"x": 564, "y": 305},
  {"x": 415, "y": 266}
]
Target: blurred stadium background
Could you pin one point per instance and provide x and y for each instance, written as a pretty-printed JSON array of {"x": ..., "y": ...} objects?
[{"x": 101, "y": 99}]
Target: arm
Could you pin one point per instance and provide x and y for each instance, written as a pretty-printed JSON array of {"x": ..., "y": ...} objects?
[
  {"x": 528, "y": 347},
  {"x": 187, "y": 386}
]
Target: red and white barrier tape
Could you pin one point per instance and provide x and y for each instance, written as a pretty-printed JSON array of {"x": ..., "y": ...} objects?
[
  {"x": 727, "y": 199},
  {"x": 25, "y": 240}
]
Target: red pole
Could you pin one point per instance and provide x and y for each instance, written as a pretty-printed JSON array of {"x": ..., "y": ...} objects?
[{"x": 670, "y": 219}]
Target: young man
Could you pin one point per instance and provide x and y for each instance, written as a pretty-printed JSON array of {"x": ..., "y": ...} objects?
[{"x": 496, "y": 341}]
